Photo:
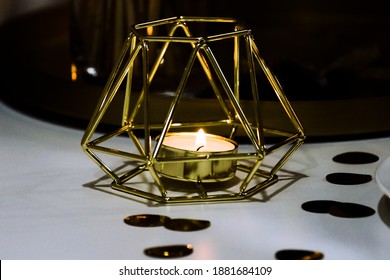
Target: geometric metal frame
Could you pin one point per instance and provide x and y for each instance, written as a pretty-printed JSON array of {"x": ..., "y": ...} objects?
[{"x": 137, "y": 48}]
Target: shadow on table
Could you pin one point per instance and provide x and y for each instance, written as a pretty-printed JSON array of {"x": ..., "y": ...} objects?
[{"x": 286, "y": 179}]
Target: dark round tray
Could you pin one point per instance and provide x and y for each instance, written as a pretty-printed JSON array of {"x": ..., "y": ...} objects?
[{"x": 35, "y": 78}]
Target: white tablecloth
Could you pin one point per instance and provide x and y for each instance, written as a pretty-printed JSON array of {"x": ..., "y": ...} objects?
[{"x": 48, "y": 210}]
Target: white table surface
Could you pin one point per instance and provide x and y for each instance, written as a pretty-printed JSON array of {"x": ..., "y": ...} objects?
[{"x": 48, "y": 212}]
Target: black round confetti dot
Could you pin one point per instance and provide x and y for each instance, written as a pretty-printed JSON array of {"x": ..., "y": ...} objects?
[
  {"x": 341, "y": 178},
  {"x": 171, "y": 251},
  {"x": 295, "y": 254},
  {"x": 146, "y": 220},
  {"x": 351, "y": 210},
  {"x": 318, "y": 206},
  {"x": 186, "y": 224},
  {"x": 356, "y": 158},
  {"x": 384, "y": 210},
  {"x": 338, "y": 209}
]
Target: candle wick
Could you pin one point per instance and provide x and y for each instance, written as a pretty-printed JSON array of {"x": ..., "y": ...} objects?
[{"x": 199, "y": 148}]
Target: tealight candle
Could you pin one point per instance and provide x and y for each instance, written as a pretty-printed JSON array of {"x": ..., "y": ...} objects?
[
  {"x": 199, "y": 142},
  {"x": 191, "y": 145}
]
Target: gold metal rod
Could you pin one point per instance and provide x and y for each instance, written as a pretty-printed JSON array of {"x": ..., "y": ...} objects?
[
  {"x": 197, "y": 199},
  {"x": 126, "y": 103},
  {"x": 236, "y": 67},
  {"x": 152, "y": 73},
  {"x": 98, "y": 114},
  {"x": 216, "y": 123},
  {"x": 208, "y": 19},
  {"x": 107, "y": 136},
  {"x": 293, "y": 116},
  {"x": 145, "y": 94},
  {"x": 132, "y": 173},
  {"x": 137, "y": 106},
  {"x": 202, "y": 191},
  {"x": 284, "y": 159},
  {"x": 101, "y": 165},
  {"x": 184, "y": 19},
  {"x": 278, "y": 132},
  {"x": 194, "y": 39},
  {"x": 249, "y": 177},
  {"x": 179, "y": 91},
  {"x": 229, "y": 35},
  {"x": 137, "y": 143},
  {"x": 234, "y": 101},
  {"x": 188, "y": 124},
  {"x": 283, "y": 143},
  {"x": 261, "y": 186},
  {"x": 215, "y": 88},
  {"x": 153, "y": 23},
  {"x": 169, "y": 39},
  {"x": 157, "y": 181},
  {"x": 209, "y": 76},
  {"x": 259, "y": 172},
  {"x": 236, "y": 77},
  {"x": 116, "y": 152},
  {"x": 233, "y": 131},
  {"x": 105, "y": 101},
  {"x": 256, "y": 103},
  {"x": 212, "y": 157},
  {"x": 278, "y": 90}
]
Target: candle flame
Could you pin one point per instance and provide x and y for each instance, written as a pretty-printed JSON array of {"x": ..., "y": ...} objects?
[{"x": 200, "y": 141}]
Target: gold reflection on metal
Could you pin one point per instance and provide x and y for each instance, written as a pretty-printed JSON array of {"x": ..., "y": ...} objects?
[
  {"x": 171, "y": 251},
  {"x": 146, "y": 220},
  {"x": 315, "y": 255},
  {"x": 186, "y": 224},
  {"x": 73, "y": 72},
  {"x": 146, "y": 154},
  {"x": 205, "y": 171}
]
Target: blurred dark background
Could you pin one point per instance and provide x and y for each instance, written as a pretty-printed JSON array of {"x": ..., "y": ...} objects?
[{"x": 319, "y": 50}]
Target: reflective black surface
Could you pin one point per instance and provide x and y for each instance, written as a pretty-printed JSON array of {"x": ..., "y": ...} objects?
[{"x": 331, "y": 57}]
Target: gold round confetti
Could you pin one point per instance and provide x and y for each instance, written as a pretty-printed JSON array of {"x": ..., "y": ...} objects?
[
  {"x": 146, "y": 220},
  {"x": 171, "y": 251},
  {"x": 186, "y": 224},
  {"x": 296, "y": 254}
]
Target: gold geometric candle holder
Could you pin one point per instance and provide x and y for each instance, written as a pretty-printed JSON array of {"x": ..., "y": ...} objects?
[{"x": 162, "y": 157}]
